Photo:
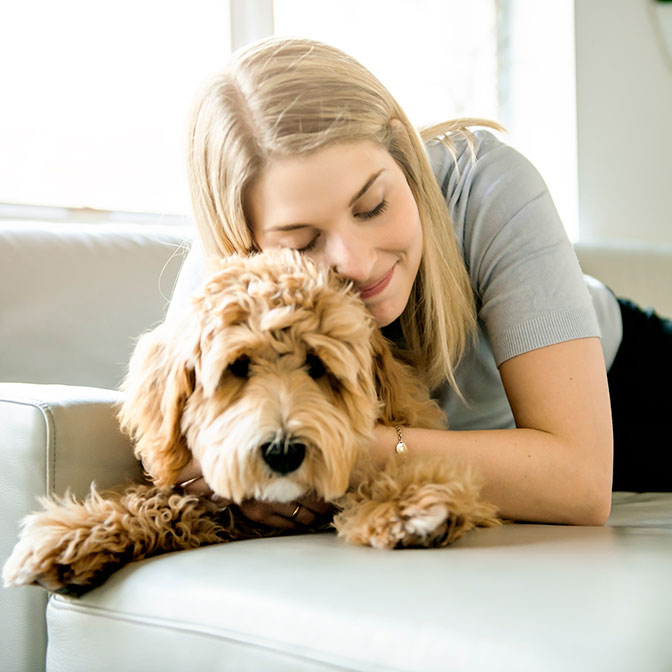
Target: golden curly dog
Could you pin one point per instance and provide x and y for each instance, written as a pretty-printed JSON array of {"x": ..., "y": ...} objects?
[{"x": 274, "y": 378}]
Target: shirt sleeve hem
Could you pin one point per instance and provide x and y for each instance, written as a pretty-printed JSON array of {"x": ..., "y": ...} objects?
[{"x": 541, "y": 331}]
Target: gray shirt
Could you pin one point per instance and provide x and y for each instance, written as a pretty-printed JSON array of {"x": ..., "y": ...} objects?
[
  {"x": 527, "y": 282},
  {"x": 528, "y": 286}
]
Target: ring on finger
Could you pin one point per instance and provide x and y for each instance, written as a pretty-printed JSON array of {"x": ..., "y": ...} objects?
[{"x": 184, "y": 484}]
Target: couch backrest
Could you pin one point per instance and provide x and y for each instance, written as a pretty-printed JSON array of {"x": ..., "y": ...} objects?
[
  {"x": 74, "y": 297},
  {"x": 641, "y": 272}
]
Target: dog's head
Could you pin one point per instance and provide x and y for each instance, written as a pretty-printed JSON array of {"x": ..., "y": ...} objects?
[{"x": 268, "y": 378}]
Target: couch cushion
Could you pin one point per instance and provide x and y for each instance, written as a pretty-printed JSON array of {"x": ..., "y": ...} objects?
[
  {"x": 522, "y": 597},
  {"x": 74, "y": 296}
]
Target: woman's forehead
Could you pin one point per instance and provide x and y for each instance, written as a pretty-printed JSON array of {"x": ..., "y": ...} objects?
[{"x": 291, "y": 188}]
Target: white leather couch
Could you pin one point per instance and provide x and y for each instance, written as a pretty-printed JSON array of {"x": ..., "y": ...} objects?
[{"x": 521, "y": 597}]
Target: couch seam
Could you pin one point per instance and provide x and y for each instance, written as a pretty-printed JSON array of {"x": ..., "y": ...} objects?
[
  {"x": 50, "y": 485},
  {"x": 157, "y": 623},
  {"x": 50, "y": 425}
]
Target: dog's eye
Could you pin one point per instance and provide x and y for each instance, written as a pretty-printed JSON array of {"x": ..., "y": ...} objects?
[
  {"x": 241, "y": 367},
  {"x": 315, "y": 366}
]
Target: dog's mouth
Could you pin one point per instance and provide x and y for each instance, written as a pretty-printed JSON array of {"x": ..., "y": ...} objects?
[
  {"x": 293, "y": 467},
  {"x": 283, "y": 455},
  {"x": 280, "y": 490},
  {"x": 246, "y": 455}
]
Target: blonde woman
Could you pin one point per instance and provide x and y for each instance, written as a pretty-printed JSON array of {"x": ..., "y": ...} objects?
[{"x": 453, "y": 242}]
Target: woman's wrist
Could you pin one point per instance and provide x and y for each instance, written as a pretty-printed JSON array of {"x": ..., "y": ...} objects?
[
  {"x": 401, "y": 448},
  {"x": 385, "y": 442}
]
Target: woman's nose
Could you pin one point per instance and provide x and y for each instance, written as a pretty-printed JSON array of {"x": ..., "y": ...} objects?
[{"x": 351, "y": 257}]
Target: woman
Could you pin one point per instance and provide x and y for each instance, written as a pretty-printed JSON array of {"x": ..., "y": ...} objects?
[{"x": 454, "y": 245}]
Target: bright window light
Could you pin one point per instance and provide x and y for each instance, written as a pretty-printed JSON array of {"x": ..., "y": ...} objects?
[
  {"x": 95, "y": 98},
  {"x": 507, "y": 60},
  {"x": 437, "y": 57},
  {"x": 96, "y": 94}
]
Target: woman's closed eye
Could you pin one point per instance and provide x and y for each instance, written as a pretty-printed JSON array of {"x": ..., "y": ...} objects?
[
  {"x": 378, "y": 210},
  {"x": 311, "y": 245},
  {"x": 367, "y": 214}
]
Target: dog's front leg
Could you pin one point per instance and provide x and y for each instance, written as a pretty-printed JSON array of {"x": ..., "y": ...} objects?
[
  {"x": 73, "y": 546},
  {"x": 427, "y": 502}
]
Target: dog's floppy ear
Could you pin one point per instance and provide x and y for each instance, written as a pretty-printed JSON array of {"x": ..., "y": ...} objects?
[
  {"x": 159, "y": 382},
  {"x": 405, "y": 399}
]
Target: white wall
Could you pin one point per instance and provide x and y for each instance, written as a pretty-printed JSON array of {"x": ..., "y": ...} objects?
[{"x": 624, "y": 120}]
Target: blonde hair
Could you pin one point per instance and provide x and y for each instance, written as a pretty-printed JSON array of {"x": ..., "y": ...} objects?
[{"x": 287, "y": 97}]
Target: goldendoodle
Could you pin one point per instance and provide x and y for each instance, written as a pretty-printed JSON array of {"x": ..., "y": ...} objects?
[{"x": 273, "y": 378}]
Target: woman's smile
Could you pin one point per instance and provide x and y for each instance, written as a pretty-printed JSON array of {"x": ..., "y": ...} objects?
[{"x": 376, "y": 287}]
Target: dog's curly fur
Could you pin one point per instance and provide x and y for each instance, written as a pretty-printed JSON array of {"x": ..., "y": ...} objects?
[{"x": 273, "y": 350}]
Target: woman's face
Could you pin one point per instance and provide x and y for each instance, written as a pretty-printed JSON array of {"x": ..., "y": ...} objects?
[{"x": 348, "y": 206}]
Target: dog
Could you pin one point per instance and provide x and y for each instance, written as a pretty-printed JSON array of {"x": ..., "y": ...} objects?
[{"x": 273, "y": 378}]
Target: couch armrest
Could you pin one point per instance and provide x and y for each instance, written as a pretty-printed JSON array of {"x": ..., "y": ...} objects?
[{"x": 52, "y": 437}]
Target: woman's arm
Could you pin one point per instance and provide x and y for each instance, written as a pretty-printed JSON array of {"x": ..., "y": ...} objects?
[{"x": 556, "y": 466}]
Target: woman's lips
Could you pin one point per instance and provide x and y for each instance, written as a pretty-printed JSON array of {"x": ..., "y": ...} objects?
[{"x": 378, "y": 286}]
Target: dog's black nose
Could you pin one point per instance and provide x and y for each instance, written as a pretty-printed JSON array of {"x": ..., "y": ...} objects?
[{"x": 283, "y": 455}]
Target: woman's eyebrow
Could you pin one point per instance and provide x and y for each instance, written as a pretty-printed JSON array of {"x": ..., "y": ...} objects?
[
  {"x": 286, "y": 227},
  {"x": 365, "y": 188}
]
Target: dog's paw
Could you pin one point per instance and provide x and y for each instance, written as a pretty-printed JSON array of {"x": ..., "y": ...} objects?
[
  {"x": 26, "y": 567},
  {"x": 390, "y": 525},
  {"x": 414, "y": 504},
  {"x": 57, "y": 556}
]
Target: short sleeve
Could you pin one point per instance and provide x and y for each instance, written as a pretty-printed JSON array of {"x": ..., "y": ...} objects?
[{"x": 529, "y": 288}]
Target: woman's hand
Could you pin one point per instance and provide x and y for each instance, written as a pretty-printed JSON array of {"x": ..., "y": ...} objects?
[
  {"x": 191, "y": 480},
  {"x": 306, "y": 513}
]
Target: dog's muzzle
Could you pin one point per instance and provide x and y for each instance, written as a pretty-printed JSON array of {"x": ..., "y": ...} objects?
[{"x": 283, "y": 455}]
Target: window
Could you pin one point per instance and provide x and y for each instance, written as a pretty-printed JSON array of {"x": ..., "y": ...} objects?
[
  {"x": 97, "y": 95},
  {"x": 437, "y": 57},
  {"x": 95, "y": 100},
  {"x": 507, "y": 60}
]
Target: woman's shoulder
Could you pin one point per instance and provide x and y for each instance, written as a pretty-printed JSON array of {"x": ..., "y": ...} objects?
[
  {"x": 477, "y": 167},
  {"x": 475, "y": 154},
  {"x": 461, "y": 149}
]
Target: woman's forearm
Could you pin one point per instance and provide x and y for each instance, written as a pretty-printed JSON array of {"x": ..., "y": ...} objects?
[{"x": 529, "y": 474}]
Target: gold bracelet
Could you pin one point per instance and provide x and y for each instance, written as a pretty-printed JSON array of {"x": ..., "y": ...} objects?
[{"x": 401, "y": 448}]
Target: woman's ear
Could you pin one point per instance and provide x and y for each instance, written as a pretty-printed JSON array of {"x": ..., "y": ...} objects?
[
  {"x": 405, "y": 399},
  {"x": 159, "y": 383}
]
